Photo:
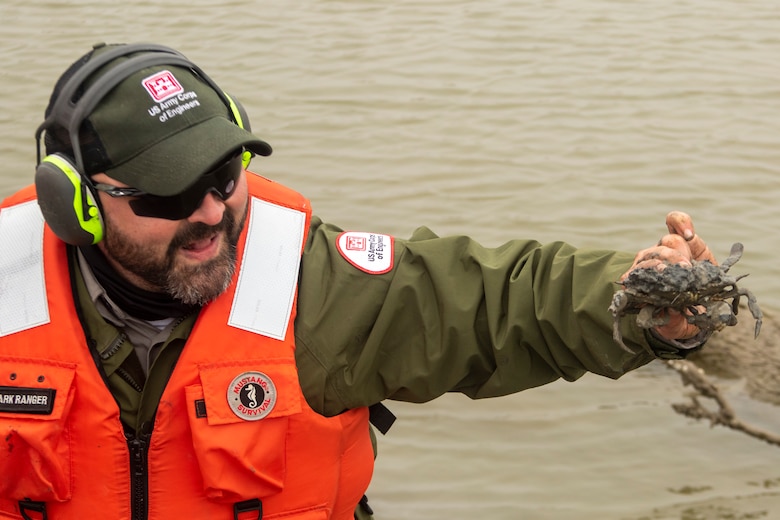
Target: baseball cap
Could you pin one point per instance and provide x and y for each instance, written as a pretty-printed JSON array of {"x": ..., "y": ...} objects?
[{"x": 156, "y": 128}]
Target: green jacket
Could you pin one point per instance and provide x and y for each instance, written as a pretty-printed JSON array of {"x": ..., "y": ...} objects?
[{"x": 454, "y": 316}]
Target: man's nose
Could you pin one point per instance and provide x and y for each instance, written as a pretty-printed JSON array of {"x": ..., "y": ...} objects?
[{"x": 210, "y": 211}]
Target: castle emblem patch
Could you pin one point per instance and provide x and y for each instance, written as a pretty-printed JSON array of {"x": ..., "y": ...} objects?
[{"x": 369, "y": 252}]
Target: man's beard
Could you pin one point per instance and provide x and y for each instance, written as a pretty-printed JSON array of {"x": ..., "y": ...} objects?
[{"x": 191, "y": 284}]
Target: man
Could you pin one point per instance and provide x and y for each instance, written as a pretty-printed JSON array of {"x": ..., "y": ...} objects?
[{"x": 183, "y": 339}]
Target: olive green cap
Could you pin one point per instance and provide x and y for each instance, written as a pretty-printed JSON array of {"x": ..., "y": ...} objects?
[{"x": 156, "y": 128}]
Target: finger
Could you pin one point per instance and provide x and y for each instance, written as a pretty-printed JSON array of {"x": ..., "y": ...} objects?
[
  {"x": 658, "y": 257},
  {"x": 680, "y": 223},
  {"x": 651, "y": 263},
  {"x": 659, "y": 264},
  {"x": 677, "y": 326},
  {"x": 700, "y": 251},
  {"x": 662, "y": 253},
  {"x": 677, "y": 243},
  {"x": 642, "y": 256}
]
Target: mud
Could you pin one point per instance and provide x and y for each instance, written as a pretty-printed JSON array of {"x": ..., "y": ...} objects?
[{"x": 734, "y": 353}]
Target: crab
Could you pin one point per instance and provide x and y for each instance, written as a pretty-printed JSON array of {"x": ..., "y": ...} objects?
[{"x": 704, "y": 292}]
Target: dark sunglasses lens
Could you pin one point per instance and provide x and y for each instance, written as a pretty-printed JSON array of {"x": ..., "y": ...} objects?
[
  {"x": 169, "y": 208},
  {"x": 221, "y": 180}
]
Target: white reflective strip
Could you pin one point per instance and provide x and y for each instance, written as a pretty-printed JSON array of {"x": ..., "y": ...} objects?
[
  {"x": 269, "y": 270},
  {"x": 23, "y": 303}
]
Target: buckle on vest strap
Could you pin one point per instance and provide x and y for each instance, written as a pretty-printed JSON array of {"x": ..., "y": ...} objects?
[
  {"x": 247, "y": 506},
  {"x": 34, "y": 507}
]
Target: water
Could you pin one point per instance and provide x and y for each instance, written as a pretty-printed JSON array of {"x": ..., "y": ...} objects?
[{"x": 577, "y": 120}]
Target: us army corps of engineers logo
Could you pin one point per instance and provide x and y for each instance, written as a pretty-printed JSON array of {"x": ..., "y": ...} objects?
[{"x": 251, "y": 396}]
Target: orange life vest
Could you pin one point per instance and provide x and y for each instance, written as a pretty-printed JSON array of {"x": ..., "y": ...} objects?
[{"x": 232, "y": 431}]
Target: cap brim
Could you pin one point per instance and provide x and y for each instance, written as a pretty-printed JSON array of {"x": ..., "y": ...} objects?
[{"x": 172, "y": 165}]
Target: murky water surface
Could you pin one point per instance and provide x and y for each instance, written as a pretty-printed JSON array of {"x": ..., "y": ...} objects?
[{"x": 578, "y": 120}]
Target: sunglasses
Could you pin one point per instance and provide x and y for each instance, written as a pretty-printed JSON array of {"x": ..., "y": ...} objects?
[{"x": 220, "y": 180}]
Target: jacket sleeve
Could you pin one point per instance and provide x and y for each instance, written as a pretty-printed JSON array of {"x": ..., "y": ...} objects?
[{"x": 454, "y": 316}]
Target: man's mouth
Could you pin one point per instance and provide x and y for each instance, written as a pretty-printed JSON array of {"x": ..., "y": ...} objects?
[{"x": 201, "y": 244}]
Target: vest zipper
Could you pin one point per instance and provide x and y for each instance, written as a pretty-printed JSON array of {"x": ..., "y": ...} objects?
[{"x": 139, "y": 483}]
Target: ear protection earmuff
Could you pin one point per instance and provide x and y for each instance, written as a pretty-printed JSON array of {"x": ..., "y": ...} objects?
[
  {"x": 242, "y": 120},
  {"x": 68, "y": 201},
  {"x": 66, "y": 195}
]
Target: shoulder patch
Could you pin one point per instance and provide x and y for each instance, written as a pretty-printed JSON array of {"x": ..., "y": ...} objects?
[{"x": 369, "y": 252}]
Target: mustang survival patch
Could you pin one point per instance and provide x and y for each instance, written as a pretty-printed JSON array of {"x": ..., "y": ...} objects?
[
  {"x": 369, "y": 252},
  {"x": 18, "y": 399},
  {"x": 251, "y": 396}
]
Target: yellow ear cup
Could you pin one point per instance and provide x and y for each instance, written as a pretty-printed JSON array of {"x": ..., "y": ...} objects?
[
  {"x": 68, "y": 205},
  {"x": 245, "y": 158}
]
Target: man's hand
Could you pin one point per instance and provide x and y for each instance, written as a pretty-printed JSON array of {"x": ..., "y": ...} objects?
[{"x": 680, "y": 246}]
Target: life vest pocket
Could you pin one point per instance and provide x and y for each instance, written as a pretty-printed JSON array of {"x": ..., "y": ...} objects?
[
  {"x": 35, "y": 458},
  {"x": 239, "y": 421}
]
